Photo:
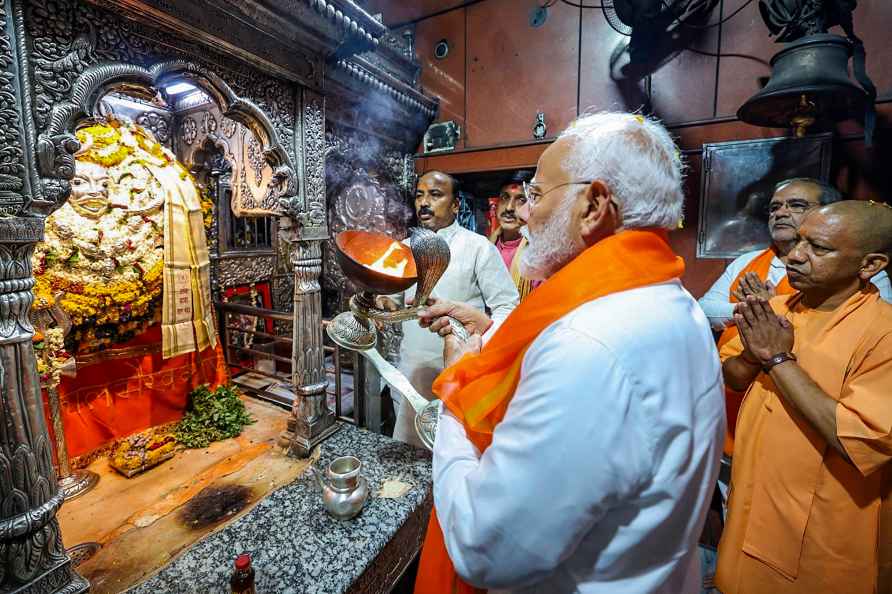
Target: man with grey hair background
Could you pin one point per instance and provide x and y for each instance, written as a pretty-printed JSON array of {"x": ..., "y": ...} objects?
[
  {"x": 579, "y": 446},
  {"x": 761, "y": 272}
]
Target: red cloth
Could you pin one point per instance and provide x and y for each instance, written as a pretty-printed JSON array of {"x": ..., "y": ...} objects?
[{"x": 118, "y": 397}]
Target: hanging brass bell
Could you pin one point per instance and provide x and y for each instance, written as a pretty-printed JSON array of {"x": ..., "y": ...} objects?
[{"x": 809, "y": 82}]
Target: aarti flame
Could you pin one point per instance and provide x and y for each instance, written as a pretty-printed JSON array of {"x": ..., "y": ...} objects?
[{"x": 393, "y": 262}]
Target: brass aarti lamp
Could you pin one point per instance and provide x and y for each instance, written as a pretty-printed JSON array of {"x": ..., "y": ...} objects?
[{"x": 378, "y": 265}]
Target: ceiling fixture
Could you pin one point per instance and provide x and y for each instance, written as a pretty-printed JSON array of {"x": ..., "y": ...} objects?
[{"x": 657, "y": 30}]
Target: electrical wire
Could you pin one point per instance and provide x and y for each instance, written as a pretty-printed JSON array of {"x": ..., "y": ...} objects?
[
  {"x": 575, "y": 5},
  {"x": 711, "y": 25},
  {"x": 713, "y": 55},
  {"x": 434, "y": 14}
]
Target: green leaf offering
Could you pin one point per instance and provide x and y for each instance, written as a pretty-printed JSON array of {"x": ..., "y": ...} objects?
[{"x": 212, "y": 416}]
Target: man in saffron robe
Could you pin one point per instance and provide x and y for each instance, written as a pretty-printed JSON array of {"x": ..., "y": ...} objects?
[
  {"x": 811, "y": 484},
  {"x": 763, "y": 273},
  {"x": 508, "y": 236},
  {"x": 578, "y": 448}
]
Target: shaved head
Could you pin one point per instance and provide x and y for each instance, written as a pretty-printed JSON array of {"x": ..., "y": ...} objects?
[
  {"x": 868, "y": 224},
  {"x": 840, "y": 247}
]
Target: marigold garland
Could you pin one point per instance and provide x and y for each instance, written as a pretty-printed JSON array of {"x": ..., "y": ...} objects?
[{"x": 109, "y": 269}]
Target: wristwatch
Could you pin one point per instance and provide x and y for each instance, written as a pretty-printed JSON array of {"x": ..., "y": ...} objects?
[{"x": 777, "y": 360}]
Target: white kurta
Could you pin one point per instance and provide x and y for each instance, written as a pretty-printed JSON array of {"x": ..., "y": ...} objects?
[
  {"x": 599, "y": 477},
  {"x": 477, "y": 276},
  {"x": 716, "y": 302}
]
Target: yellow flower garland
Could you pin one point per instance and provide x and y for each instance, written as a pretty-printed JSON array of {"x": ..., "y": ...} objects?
[{"x": 103, "y": 277}]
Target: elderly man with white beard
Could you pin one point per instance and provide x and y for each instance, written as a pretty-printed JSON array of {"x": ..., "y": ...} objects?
[{"x": 579, "y": 442}]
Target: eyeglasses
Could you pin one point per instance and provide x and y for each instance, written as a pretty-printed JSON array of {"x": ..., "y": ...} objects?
[
  {"x": 794, "y": 206},
  {"x": 534, "y": 195}
]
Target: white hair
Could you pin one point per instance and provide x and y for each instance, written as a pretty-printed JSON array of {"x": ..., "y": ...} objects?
[{"x": 636, "y": 158}]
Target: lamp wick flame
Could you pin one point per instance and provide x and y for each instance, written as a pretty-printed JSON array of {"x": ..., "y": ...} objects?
[{"x": 392, "y": 262}]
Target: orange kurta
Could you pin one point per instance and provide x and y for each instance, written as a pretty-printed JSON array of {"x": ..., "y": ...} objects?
[
  {"x": 803, "y": 520},
  {"x": 761, "y": 265}
]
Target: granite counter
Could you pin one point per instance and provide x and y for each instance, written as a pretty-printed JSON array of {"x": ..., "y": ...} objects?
[{"x": 297, "y": 548}]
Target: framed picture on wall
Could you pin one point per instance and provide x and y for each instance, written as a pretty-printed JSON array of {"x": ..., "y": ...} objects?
[{"x": 738, "y": 181}]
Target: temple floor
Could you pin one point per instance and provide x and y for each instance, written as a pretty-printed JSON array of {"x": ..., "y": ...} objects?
[{"x": 145, "y": 521}]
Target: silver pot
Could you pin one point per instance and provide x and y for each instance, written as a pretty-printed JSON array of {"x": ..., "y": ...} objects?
[{"x": 344, "y": 489}]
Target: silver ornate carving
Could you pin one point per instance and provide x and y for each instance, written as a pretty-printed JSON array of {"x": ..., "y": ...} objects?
[
  {"x": 228, "y": 127},
  {"x": 188, "y": 130},
  {"x": 70, "y": 70},
  {"x": 233, "y": 271},
  {"x": 311, "y": 420},
  {"x": 310, "y": 212},
  {"x": 366, "y": 34},
  {"x": 397, "y": 90},
  {"x": 210, "y": 123},
  {"x": 157, "y": 123},
  {"x": 12, "y": 164},
  {"x": 32, "y": 557},
  {"x": 254, "y": 159}
]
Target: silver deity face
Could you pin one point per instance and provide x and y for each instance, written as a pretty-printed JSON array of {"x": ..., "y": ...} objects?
[{"x": 89, "y": 190}]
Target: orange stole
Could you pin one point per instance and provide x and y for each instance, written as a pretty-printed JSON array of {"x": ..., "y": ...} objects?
[
  {"x": 118, "y": 397},
  {"x": 479, "y": 388},
  {"x": 761, "y": 265}
]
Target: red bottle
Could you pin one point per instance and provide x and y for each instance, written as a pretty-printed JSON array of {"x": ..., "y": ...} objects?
[{"x": 242, "y": 580}]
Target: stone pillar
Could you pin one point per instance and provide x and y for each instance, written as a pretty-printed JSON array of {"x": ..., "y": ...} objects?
[{"x": 32, "y": 558}]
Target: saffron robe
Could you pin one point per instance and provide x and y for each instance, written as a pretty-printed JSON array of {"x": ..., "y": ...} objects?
[{"x": 802, "y": 519}]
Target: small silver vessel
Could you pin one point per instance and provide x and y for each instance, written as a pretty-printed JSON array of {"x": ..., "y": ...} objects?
[{"x": 344, "y": 489}]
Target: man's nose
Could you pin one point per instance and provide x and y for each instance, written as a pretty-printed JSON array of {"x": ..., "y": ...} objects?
[
  {"x": 796, "y": 254},
  {"x": 524, "y": 212}
]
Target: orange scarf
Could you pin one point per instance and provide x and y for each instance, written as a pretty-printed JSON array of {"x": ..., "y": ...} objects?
[
  {"x": 761, "y": 265},
  {"x": 478, "y": 389}
]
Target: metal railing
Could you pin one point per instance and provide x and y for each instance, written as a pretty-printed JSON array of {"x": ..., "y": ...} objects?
[{"x": 360, "y": 405}]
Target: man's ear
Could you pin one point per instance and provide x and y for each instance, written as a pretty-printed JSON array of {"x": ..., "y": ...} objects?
[
  {"x": 872, "y": 264},
  {"x": 600, "y": 217},
  {"x": 456, "y": 205}
]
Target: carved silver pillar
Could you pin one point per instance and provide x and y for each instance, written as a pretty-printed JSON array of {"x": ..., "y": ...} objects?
[
  {"x": 32, "y": 558},
  {"x": 311, "y": 420}
]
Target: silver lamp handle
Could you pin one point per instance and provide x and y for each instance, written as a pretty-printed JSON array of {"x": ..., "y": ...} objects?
[{"x": 395, "y": 378}]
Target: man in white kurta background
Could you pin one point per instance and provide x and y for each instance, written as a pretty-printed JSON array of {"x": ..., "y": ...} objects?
[
  {"x": 475, "y": 275},
  {"x": 594, "y": 468}
]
